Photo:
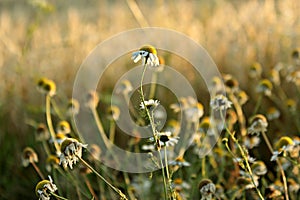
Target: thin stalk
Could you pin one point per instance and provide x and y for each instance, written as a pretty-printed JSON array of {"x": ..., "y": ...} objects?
[
  {"x": 50, "y": 125},
  {"x": 153, "y": 130},
  {"x": 46, "y": 148},
  {"x": 118, "y": 191},
  {"x": 127, "y": 182},
  {"x": 89, "y": 186},
  {"x": 57, "y": 196},
  {"x": 203, "y": 170},
  {"x": 245, "y": 158},
  {"x": 137, "y": 13},
  {"x": 286, "y": 193},
  {"x": 56, "y": 109},
  {"x": 164, "y": 176},
  {"x": 153, "y": 85},
  {"x": 239, "y": 112},
  {"x": 37, "y": 169},
  {"x": 258, "y": 103},
  {"x": 112, "y": 131},
  {"x": 77, "y": 132}
]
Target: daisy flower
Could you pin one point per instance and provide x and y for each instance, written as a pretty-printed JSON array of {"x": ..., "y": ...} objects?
[
  {"x": 147, "y": 54},
  {"x": 71, "y": 152},
  {"x": 150, "y": 104},
  {"x": 259, "y": 124},
  {"x": 220, "y": 102},
  {"x": 44, "y": 189}
]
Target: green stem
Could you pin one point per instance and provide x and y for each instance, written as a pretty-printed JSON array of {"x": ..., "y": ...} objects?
[
  {"x": 56, "y": 110},
  {"x": 50, "y": 125},
  {"x": 245, "y": 158},
  {"x": 112, "y": 131},
  {"x": 286, "y": 193},
  {"x": 73, "y": 124},
  {"x": 153, "y": 130},
  {"x": 239, "y": 112},
  {"x": 203, "y": 171},
  {"x": 57, "y": 196},
  {"x": 153, "y": 85},
  {"x": 118, "y": 191},
  {"x": 37, "y": 169},
  {"x": 46, "y": 148},
  {"x": 258, "y": 103},
  {"x": 127, "y": 182}
]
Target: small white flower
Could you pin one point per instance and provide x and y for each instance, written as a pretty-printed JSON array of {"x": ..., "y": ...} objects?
[
  {"x": 207, "y": 189},
  {"x": 148, "y": 147},
  {"x": 150, "y": 104},
  {"x": 166, "y": 139},
  {"x": 179, "y": 162},
  {"x": 147, "y": 58},
  {"x": 282, "y": 150},
  {"x": 220, "y": 102},
  {"x": 258, "y": 124},
  {"x": 251, "y": 142},
  {"x": 71, "y": 152},
  {"x": 44, "y": 189}
]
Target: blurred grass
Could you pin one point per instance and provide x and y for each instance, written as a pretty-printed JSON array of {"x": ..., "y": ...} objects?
[{"x": 53, "y": 40}]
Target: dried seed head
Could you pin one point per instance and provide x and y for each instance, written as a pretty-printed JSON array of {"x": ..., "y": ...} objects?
[
  {"x": 29, "y": 156},
  {"x": 42, "y": 133},
  {"x": 265, "y": 86},
  {"x": 255, "y": 70},
  {"x": 63, "y": 127},
  {"x": 92, "y": 99},
  {"x": 46, "y": 86},
  {"x": 73, "y": 107}
]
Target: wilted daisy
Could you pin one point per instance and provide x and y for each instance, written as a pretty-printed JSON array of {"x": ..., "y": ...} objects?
[
  {"x": 294, "y": 77},
  {"x": 291, "y": 104},
  {"x": 251, "y": 141},
  {"x": 273, "y": 113},
  {"x": 274, "y": 192},
  {"x": 220, "y": 102},
  {"x": 216, "y": 85},
  {"x": 296, "y": 56},
  {"x": 42, "y": 133},
  {"x": 255, "y": 70},
  {"x": 63, "y": 127},
  {"x": 29, "y": 156},
  {"x": 52, "y": 162},
  {"x": 282, "y": 147},
  {"x": 148, "y": 54},
  {"x": 207, "y": 189},
  {"x": 180, "y": 162},
  {"x": 245, "y": 180},
  {"x": 294, "y": 187},
  {"x": 275, "y": 76},
  {"x": 45, "y": 188},
  {"x": 71, "y": 150},
  {"x": 125, "y": 87},
  {"x": 265, "y": 87},
  {"x": 179, "y": 185},
  {"x": 259, "y": 168},
  {"x": 46, "y": 86},
  {"x": 150, "y": 104},
  {"x": 73, "y": 107},
  {"x": 92, "y": 99},
  {"x": 230, "y": 82},
  {"x": 242, "y": 97},
  {"x": 258, "y": 123},
  {"x": 113, "y": 112}
]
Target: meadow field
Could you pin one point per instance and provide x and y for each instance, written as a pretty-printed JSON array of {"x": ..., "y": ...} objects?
[{"x": 256, "y": 46}]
